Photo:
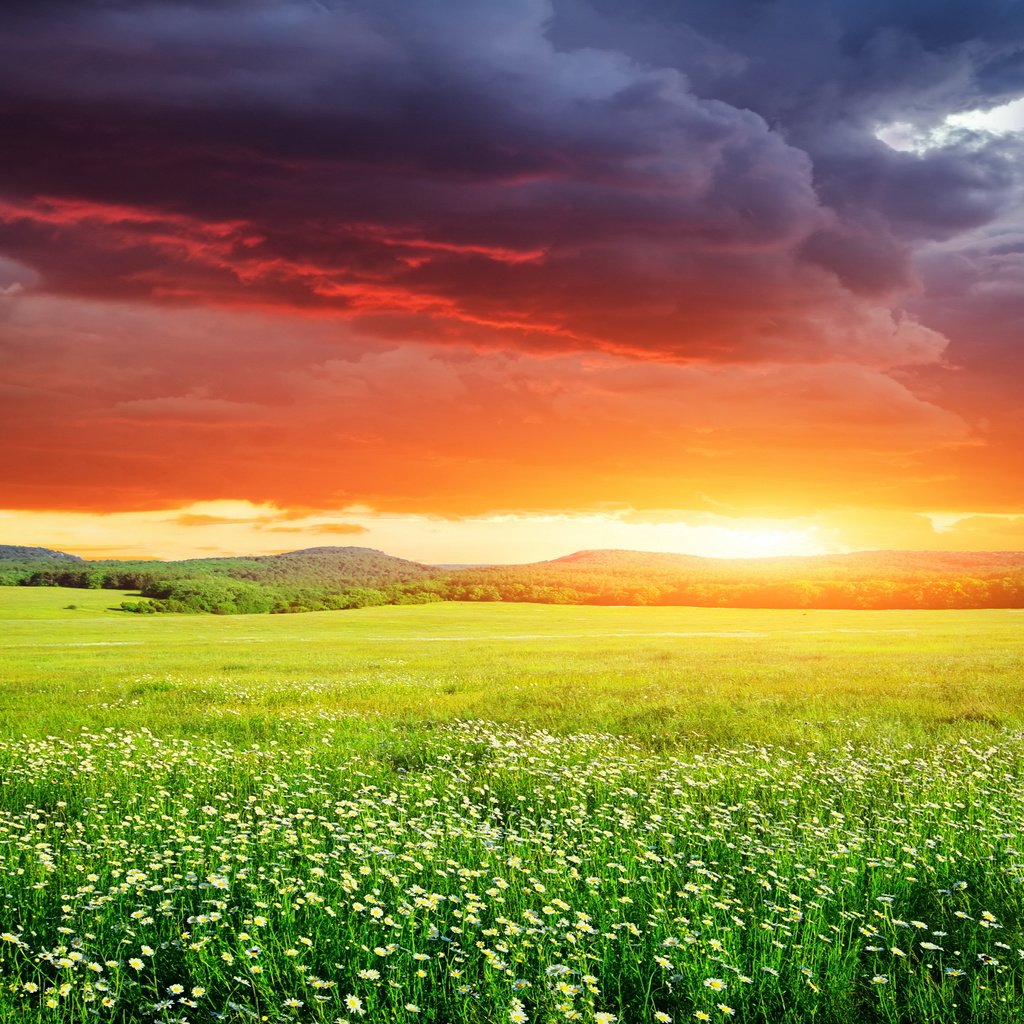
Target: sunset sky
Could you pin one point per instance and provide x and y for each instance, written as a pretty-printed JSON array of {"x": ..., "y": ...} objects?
[{"x": 496, "y": 280}]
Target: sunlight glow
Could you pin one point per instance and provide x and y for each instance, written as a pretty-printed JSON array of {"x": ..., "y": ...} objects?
[
  {"x": 223, "y": 528},
  {"x": 766, "y": 543},
  {"x": 908, "y": 138},
  {"x": 211, "y": 529}
]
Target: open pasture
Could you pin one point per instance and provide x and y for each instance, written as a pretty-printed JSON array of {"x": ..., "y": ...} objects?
[
  {"x": 491, "y": 814},
  {"x": 665, "y": 677}
]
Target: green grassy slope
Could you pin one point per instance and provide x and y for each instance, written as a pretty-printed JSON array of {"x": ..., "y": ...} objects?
[{"x": 665, "y": 676}]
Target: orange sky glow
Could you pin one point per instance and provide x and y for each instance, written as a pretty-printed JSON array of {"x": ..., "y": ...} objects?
[{"x": 530, "y": 281}]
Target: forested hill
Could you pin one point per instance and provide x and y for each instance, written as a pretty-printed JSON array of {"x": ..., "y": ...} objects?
[
  {"x": 333, "y": 565},
  {"x": 347, "y": 577},
  {"x": 307, "y": 580},
  {"x": 20, "y": 553},
  {"x": 855, "y": 565},
  {"x": 867, "y": 579}
]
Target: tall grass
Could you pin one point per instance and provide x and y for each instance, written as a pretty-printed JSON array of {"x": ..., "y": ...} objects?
[{"x": 363, "y": 840}]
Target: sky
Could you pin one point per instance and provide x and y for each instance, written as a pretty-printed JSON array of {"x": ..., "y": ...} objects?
[{"x": 496, "y": 280}]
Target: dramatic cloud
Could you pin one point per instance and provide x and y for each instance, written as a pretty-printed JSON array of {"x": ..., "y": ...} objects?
[
  {"x": 213, "y": 406},
  {"x": 487, "y": 173},
  {"x": 460, "y": 255}
]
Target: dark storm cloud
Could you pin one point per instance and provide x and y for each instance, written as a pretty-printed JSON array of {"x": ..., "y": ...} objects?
[
  {"x": 811, "y": 63},
  {"x": 828, "y": 73},
  {"x": 682, "y": 180}
]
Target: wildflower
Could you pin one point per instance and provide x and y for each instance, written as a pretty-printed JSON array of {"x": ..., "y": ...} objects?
[
  {"x": 601, "y": 1017},
  {"x": 136, "y": 963},
  {"x": 715, "y": 984},
  {"x": 294, "y": 1004},
  {"x": 661, "y": 1017},
  {"x": 727, "y": 1010},
  {"x": 880, "y": 979}
]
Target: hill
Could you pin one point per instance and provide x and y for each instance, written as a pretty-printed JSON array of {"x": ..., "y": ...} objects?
[
  {"x": 312, "y": 579},
  {"x": 20, "y": 553},
  {"x": 321, "y": 578},
  {"x": 334, "y": 565},
  {"x": 865, "y": 579},
  {"x": 854, "y": 565}
]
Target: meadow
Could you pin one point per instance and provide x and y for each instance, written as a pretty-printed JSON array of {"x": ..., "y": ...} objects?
[{"x": 487, "y": 813}]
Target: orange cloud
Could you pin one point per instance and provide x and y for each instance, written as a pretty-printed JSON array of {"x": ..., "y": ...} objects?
[
  {"x": 339, "y": 529},
  {"x": 122, "y": 407},
  {"x": 199, "y": 519}
]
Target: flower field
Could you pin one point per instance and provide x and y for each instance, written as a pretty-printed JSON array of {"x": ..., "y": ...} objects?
[
  {"x": 509, "y": 876},
  {"x": 487, "y": 872}
]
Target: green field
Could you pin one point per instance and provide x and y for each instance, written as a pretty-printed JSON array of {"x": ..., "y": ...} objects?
[{"x": 488, "y": 813}]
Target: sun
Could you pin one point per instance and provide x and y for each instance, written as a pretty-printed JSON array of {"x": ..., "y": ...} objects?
[{"x": 751, "y": 541}]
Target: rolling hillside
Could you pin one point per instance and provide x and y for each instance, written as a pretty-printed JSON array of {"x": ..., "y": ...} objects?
[{"x": 342, "y": 577}]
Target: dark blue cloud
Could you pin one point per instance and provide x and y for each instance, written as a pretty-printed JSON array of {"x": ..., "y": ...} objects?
[{"x": 702, "y": 178}]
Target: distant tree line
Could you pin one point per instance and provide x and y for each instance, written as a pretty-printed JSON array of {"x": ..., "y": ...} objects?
[
  {"x": 600, "y": 589},
  {"x": 241, "y": 597}
]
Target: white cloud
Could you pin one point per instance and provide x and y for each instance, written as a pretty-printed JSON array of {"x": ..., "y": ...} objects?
[
  {"x": 909, "y": 138},
  {"x": 1007, "y": 118}
]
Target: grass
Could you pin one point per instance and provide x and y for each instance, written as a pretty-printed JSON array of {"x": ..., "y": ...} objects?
[
  {"x": 484, "y": 814},
  {"x": 665, "y": 677}
]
